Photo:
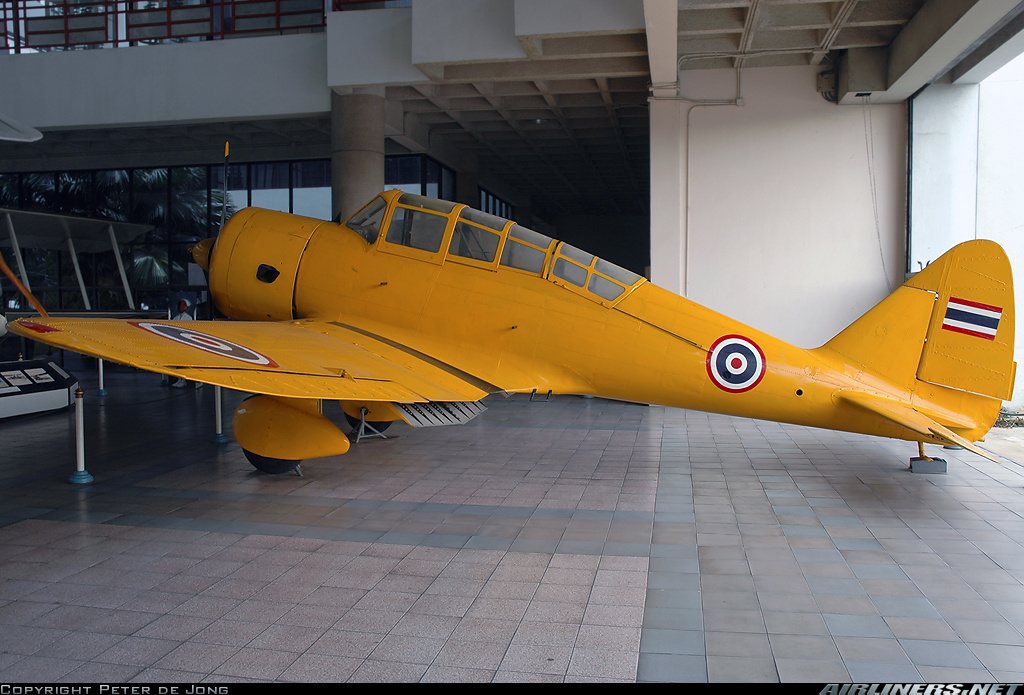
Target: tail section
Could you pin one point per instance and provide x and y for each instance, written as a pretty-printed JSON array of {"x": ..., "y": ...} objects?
[
  {"x": 942, "y": 345},
  {"x": 950, "y": 325}
]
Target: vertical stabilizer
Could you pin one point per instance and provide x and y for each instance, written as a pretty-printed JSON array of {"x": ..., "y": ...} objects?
[
  {"x": 951, "y": 325},
  {"x": 969, "y": 344}
]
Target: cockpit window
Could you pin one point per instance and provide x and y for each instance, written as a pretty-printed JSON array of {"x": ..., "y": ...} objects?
[
  {"x": 570, "y": 272},
  {"x": 524, "y": 257},
  {"x": 470, "y": 241},
  {"x": 626, "y": 277},
  {"x": 417, "y": 229},
  {"x": 573, "y": 253},
  {"x": 419, "y": 201},
  {"x": 528, "y": 256},
  {"x": 530, "y": 236},
  {"x": 366, "y": 222},
  {"x": 599, "y": 278},
  {"x": 604, "y": 288},
  {"x": 483, "y": 219}
]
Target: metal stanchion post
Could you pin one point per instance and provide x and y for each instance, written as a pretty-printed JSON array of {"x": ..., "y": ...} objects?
[
  {"x": 80, "y": 475},
  {"x": 219, "y": 437},
  {"x": 103, "y": 390}
]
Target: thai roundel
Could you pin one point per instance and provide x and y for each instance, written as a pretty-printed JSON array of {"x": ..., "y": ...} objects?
[
  {"x": 735, "y": 363},
  {"x": 209, "y": 343}
]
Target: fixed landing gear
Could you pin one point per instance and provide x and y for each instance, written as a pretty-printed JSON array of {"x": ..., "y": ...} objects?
[{"x": 270, "y": 465}]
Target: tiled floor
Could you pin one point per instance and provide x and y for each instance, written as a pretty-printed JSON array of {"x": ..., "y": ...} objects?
[{"x": 574, "y": 540}]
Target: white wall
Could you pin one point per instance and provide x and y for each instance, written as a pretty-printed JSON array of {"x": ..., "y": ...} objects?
[
  {"x": 539, "y": 17},
  {"x": 1001, "y": 183},
  {"x": 779, "y": 227},
  {"x": 454, "y": 30},
  {"x": 370, "y": 47},
  {"x": 385, "y": 46},
  {"x": 943, "y": 196},
  {"x": 668, "y": 195},
  {"x": 273, "y": 76}
]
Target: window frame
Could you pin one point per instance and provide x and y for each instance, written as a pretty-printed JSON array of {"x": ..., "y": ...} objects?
[
  {"x": 572, "y": 255},
  {"x": 510, "y": 237},
  {"x": 465, "y": 217},
  {"x": 408, "y": 201}
]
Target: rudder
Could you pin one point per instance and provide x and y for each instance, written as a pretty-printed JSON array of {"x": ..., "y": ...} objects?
[{"x": 970, "y": 337}]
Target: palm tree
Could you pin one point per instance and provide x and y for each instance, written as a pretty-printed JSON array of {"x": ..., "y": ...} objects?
[{"x": 175, "y": 201}]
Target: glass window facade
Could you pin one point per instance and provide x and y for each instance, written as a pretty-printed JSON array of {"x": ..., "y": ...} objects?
[
  {"x": 420, "y": 175},
  {"x": 184, "y": 205},
  {"x": 311, "y": 188},
  {"x": 494, "y": 205}
]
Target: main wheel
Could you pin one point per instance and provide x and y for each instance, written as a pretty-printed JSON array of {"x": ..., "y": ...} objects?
[
  {"x": 270, "y": 465},
  {"x": 379, "y": 426}
]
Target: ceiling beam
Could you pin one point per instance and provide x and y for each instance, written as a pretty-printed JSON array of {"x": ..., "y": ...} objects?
[
  {"x": 567, "y": 129},
  {"x": 662, "y": 20},
  {"x": 933, "y": 42},
  {"x": 998, "y": 49},
  {"x": 429, "y": 92},
  {"x": 838, "y": 24}
]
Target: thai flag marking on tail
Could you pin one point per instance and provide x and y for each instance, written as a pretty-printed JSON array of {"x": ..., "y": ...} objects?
[{"x": 972, "y": 318}]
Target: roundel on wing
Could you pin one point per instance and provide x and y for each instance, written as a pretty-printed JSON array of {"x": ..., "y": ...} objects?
[
  {"x": 208, "y": 343},
  {"x": 735, "y": 363}
]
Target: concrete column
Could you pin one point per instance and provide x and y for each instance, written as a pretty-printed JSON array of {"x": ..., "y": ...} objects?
[
  {"x": 668, "y": 195},
  {"x": 357, "y": 150},
  {"x": 668, "y": 149}
]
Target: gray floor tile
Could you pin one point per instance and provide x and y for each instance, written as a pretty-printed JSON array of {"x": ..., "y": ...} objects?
[
  {"x": 882, "y": 673},
  {"x": 939, "y": 653},
  {"x": 664, "y": 668},
  {"x": 570, "y": 541},
  {"x": 857, "y": 625}
]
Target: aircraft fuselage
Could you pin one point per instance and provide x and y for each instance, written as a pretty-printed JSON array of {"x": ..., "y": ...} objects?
[{"x": 567, "y": 324}]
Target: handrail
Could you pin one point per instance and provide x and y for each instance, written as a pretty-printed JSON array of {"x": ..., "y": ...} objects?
[{"x": 28, "y": 26}]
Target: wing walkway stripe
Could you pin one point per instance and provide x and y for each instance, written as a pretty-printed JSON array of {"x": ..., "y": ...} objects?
[{"x": 433, "y": 361}]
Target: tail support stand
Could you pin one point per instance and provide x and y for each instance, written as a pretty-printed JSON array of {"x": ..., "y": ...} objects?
[
  {"x": 926, "y": 464},
  {"x": 80, "y": 475},
  {"x": 365, "y": 429}
]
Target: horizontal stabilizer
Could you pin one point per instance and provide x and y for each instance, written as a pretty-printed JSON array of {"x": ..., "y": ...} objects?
[
  {"x": 906, "y": 416},
  {"x": 439, "y": 413}
]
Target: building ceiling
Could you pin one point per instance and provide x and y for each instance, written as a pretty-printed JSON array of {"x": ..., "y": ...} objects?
[
  {"x": 568, "y": 125},
  {"x": 759, "y": 33},
  {"x": 573, "y": 142}
]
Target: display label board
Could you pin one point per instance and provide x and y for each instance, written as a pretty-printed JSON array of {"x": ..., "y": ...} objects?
[{"x": 34, "y": 386}]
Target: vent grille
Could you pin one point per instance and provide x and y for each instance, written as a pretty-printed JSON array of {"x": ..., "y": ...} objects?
[{"x": 437, "y": 413}]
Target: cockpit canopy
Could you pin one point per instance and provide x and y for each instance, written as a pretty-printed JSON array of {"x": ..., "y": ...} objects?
[{"x": 441, "y": 231}]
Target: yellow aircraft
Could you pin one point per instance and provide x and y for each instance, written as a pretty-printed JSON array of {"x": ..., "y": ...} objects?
[{"x": 415, "y": 309}]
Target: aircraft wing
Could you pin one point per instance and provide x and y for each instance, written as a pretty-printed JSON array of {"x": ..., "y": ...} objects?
[
  {"x": 905, "y": 415},
  {"x": 306, "y": 358}
]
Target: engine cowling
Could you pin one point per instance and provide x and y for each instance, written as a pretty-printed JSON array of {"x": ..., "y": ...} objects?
[{"x": 255, "y": 261}]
